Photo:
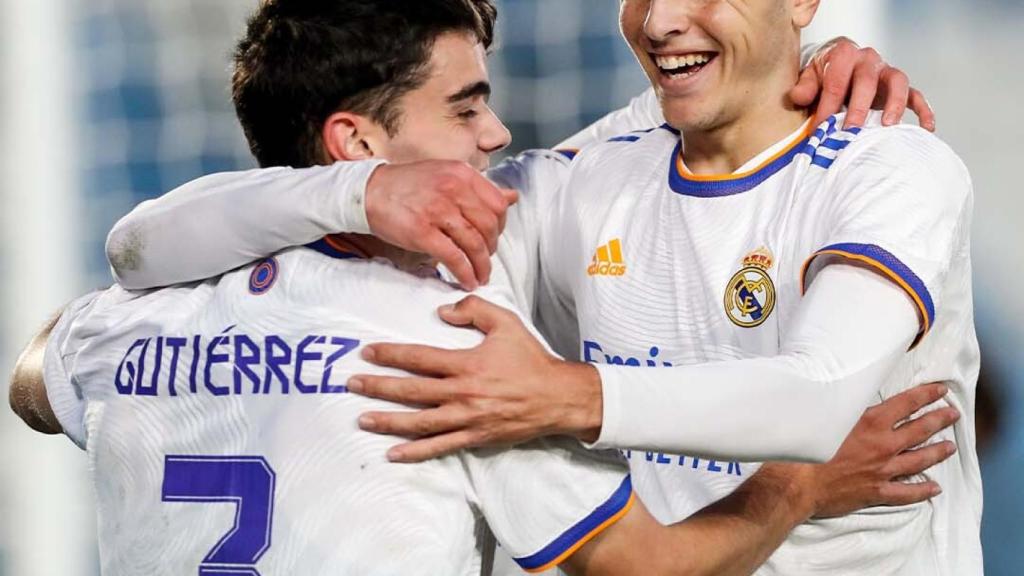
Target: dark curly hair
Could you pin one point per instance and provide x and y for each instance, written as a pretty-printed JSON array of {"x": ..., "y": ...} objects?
[{"x": 302, "y": 60}]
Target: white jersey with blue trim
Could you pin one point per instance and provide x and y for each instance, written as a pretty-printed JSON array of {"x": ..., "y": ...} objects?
[
  {"x": 664, "y": 268},
  {"x": 221, "y": 436}
]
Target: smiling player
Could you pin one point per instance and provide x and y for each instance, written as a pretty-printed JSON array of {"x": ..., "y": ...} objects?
[{"x": 216, "y": 420}]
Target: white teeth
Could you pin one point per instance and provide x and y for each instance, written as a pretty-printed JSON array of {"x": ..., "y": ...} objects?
[{"x": 669, "y": 63}]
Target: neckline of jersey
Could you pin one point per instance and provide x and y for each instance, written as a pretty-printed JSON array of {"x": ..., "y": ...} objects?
[
  {"x": 328, "y": 247},
  {"x": 684, "y": 182}
]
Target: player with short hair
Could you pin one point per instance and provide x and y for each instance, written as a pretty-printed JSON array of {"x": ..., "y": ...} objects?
[
  {"x": 226, "y": 399},
  {"x": 780, "y": 274}
]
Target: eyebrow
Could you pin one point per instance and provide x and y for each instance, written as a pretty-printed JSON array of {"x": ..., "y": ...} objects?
[{"x": 481, "y": 88}]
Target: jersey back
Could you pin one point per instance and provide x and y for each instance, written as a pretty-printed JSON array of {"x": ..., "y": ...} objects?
[
  {"x": 663, "y": 267},
  {"x": 221, "y": 436}
]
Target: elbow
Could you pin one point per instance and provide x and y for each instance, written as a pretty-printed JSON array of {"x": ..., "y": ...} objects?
[
  {"x": 21, "y": 397},
  {"x": 124, "y": 253}
]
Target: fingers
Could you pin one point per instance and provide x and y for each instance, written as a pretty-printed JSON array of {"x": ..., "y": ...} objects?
[
  {"x": 920, "y": 106},
  {"x": 423, "y": 360},
  {"x": 511, "y": 196},
  {"x": 477, "y": 312},
  {"x": 918, "y": 431},
  {"x": 442, "y": 247},
  {"x": 415, "y": 424},
  {"x": 433, "y": 447},
  {"x": 905, "y": 404},
  {"x": 913, "y": 462},
  {"x": 807, "y": 87},
  {"x": 896, "y": 86},
  {"x": 473, "y": 245},
  {"x": 495, "y": 199},
  {"x": 865, "y": 85},
  {"x": 836, "y": 74},
  {"x": 410, "y": 391},
  {"x": 485, "y": 223},
  {"x": 901, "y": 494}
]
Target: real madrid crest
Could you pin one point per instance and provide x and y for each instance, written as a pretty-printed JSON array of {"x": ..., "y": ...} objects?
[{"x": 750, "y": 295}]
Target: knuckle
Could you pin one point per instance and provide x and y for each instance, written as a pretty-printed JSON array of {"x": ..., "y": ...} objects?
[
  {"x": 870, "y": 53},
  {"x": 844, "y": 48},
  {"x": 471, "y": 302}
]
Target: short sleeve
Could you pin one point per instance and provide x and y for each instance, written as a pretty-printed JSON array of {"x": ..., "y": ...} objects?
[
  {"x": 900, "y": 204},
  {"x": 538, "y": 176},
  {"x": 65, "y": 396},
  {"x": 545, "y": 499},
  {"x": 642, "y": 113}
]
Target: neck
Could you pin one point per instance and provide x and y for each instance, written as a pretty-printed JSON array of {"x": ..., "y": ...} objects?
[
  {"x": 373, "y": 247},
  {"x": 768, "y": 118}
]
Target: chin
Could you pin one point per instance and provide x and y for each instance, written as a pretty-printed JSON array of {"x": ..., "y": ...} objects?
[{"x": 688, "y": 117}]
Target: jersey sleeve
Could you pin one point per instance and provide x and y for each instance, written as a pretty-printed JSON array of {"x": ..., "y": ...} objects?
[
  {"x": 222, "y": 221},
  {"x": 545, "y": 499},
  {"x": 830, "y": 367},
  {"x": 65, "y": 396},
  {"x": 538, "y": 176},
  {"x": 901, "y": 204},
  {"x": 643, "y": 112}
]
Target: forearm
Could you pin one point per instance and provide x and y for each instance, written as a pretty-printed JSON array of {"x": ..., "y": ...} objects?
[
  {"x": 730, "y": 537},
  {"x": 223, "y": 221},
  {"x": 737, "y": 534},
  {"x": 798, "y": 405}
]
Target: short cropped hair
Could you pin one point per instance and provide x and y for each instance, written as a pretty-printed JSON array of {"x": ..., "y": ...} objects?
[{"x": 302, "y": 60}]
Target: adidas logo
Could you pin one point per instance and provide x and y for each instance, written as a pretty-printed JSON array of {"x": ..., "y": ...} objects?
[{"x": 608, "y": 260}]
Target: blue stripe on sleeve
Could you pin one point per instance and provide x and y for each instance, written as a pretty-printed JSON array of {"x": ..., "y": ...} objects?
[{"x": 582, "y": 529}]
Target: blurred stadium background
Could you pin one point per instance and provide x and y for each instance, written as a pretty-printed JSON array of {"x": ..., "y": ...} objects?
[{"x": 108, "y": 102}]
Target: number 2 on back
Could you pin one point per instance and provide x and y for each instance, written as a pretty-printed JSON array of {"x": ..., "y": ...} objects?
[{"x": 245, "y": 481}]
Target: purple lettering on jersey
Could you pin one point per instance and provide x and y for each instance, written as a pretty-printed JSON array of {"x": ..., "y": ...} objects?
[
  {"x": 195, "y": 366},
  {"x": 213, "y": 358},
  {"x": 243, "y": 361},
  {"x": 662, "y": 459},
  {"x": 593, "y": 353},
  {"x": 274, "y": 363},
  {"x": 126, "y": 388},
  {"x": 316, "y": 355},
  {"x": 589, "y": 347},
  {"x": 301, "y": 357},
  {"x": 175, "y": 344},
  {"x": 713, "y": 466},
  {"x": 140, "y": 388},
  {"x": 345, "y": 345}
]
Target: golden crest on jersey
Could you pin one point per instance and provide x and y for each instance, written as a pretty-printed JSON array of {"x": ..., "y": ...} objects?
[{"x": 750, "y": 295}]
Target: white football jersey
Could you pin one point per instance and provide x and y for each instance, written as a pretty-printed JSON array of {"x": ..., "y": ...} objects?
[
  {"x": 663, "y": 267},
  {"x": 221, "y": 436}
]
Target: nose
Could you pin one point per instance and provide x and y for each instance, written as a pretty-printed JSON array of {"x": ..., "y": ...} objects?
[
  {"x": 494, "y": 136},
  {"x": 666, "y": 18}
]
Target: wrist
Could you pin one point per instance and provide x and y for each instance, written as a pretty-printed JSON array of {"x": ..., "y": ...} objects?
[
  {"x": 802, "y": 491},
  {"x": 359, "y": 207},
  {"x": 798, "y": 486},
  {"x": 583, "y": 405}
]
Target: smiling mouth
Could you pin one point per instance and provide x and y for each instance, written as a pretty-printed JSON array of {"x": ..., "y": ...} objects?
[{"x": 683, "y": 65}]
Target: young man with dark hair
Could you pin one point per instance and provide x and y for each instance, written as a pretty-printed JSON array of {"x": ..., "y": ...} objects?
[
  {"x": 232, "y": 391},
  {"x": 781, "y": 274}
]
